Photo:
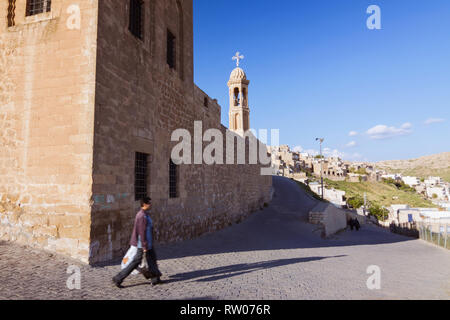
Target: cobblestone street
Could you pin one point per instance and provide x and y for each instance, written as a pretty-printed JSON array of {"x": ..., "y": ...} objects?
[{"x": 274, "y": 254}]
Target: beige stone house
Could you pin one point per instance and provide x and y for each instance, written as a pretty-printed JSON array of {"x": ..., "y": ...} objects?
[{"x": 90, "y": 93}]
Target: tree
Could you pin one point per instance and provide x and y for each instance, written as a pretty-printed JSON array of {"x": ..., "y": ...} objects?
[
  {"x": 379, "y": 212},
  {"x": 400, "y": 185},
  {"x": 356, "y": 201}
]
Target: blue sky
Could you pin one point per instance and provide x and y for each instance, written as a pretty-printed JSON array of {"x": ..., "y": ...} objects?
[{"x": 317, "y": 70}]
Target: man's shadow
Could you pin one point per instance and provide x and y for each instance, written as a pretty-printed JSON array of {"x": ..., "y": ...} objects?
[
  {"x": 224, "y": 272},
  {"x": 230, "y": 271}
]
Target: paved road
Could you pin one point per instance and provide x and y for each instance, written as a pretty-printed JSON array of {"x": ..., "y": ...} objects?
[{"x": 274, "y": 254}]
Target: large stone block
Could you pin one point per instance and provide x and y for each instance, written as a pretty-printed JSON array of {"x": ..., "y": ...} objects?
[
  {"x": 64, "y": 220},
  {"x": 78, "y": 233},
  {"x": 45, "y": 231},
  {"x": 34, "y": 219}
]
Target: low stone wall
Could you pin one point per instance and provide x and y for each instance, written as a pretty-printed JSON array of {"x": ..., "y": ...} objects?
[
  {"x": 335, "y": 220},
  {"x": 316, "y": 217},
  {"x": 331, "y": 218},
  {"x": 406, "y": 229}
]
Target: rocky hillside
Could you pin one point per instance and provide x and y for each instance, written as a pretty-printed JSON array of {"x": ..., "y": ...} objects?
[{"x": 434, "y": 165}]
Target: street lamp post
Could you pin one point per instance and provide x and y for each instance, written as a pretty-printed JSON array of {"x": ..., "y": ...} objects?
[
  {"x": 321, "y": 163},
  {"x": 365, "y": 203}
]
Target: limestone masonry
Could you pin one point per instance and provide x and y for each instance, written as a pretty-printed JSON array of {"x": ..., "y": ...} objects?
[{"x": 85, "y": 112}]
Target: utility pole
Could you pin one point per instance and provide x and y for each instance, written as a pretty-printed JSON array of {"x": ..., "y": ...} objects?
[
  {"x": 321, "y": 163},
  {"x": 365, "y": 203}
]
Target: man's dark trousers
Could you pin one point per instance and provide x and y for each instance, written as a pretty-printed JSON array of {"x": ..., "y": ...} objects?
[{"x": 151, "y": 261}]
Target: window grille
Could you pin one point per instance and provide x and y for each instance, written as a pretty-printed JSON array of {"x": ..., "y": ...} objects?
[
  {"x": 141, "y": 174},
  {"x": 173, "y": 180},
  {"x": 38, "y": 6}
]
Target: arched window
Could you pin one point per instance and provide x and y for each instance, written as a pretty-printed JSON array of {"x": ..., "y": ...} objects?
[
  {"x": 236, "y": 121},
  {"x": 236, "y": 97}
]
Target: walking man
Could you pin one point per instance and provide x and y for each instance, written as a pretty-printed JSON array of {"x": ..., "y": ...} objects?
[{"x": 142, "y": 238}]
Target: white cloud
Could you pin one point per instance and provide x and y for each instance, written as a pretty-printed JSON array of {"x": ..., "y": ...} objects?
[
  {"x": 297, "y": 149},
  {"x": 327, "y": 152},
  {"x": 382, "y": 131},
  {"x": 351, "y": 144},
  {"x": 434, "y": 120},
  {"x": 353, "y": 133}
]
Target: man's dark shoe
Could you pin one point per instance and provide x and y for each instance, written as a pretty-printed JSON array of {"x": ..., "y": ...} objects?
[
  {"x": 117, "y": 283},
  {"x": 156, "y": 281},
  {"x": 145, "y": 272},
  {"x": 148, "y": 274}
]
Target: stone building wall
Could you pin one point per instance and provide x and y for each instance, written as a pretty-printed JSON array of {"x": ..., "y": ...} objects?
[
  {"x": 75, "y": 106},
  {"x": 47, "y": 83},
  {"x": 140, "y": 101}
]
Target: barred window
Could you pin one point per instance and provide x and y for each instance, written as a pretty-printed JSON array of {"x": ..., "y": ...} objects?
[
  {"x": 11, "y": 12},
  {"x": 136, "y": 18},
  {"x": 173, "y": 180},
  {"x": 140, "y": 174},
  {"x": 171, "y": 52},
  {"x": 38, "y": 6}
]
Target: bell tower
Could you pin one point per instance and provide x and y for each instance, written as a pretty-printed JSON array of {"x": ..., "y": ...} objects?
[{"x": 239, "y": 110}]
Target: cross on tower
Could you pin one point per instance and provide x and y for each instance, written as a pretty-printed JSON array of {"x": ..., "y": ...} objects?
[{"x": 238, "y": 57}]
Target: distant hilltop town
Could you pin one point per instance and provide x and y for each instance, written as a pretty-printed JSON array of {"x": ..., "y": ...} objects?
[
  {"x": 307, "y": 168},
  {"x": 299, "y": 165}
]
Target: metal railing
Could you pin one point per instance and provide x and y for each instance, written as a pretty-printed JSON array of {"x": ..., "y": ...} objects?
[{"x": 436, "y": 233}]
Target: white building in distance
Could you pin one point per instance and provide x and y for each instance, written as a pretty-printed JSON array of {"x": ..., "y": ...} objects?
[{"x": 411, "y": 181}]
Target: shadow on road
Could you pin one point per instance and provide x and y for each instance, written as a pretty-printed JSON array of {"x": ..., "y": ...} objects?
[
  {"x": 219, "y": 273},
  {"x": 283, "y": 225},
  {"x": 230, "y": 271}
]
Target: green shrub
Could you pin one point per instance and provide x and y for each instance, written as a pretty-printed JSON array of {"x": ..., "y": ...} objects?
[
  {"x": 400, "y": 185},
  {"x": 356, "y": 201},
  {"x": 379, "y": 212}
]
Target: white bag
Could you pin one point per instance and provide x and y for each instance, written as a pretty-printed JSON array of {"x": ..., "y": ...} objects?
[{"x": 129, "y": 256}]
